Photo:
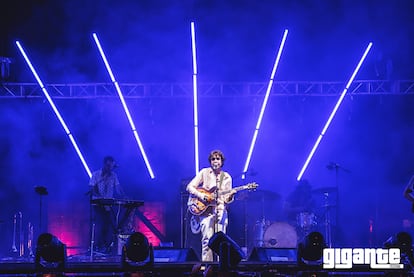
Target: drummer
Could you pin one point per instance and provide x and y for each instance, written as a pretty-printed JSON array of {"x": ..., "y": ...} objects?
[{"x": 300, "y": 206}]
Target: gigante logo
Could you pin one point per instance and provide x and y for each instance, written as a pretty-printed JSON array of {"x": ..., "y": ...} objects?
[{"x": 345, "y": 258}]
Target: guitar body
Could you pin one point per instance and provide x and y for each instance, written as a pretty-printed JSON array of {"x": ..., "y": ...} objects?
[{"x": 197, "y": 206}]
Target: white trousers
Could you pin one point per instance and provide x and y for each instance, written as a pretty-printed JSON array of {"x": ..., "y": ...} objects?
[{"x": 209, "y": 226}]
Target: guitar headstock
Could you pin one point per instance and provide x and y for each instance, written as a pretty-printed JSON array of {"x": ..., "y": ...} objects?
[{"x": 252, "y": 186}]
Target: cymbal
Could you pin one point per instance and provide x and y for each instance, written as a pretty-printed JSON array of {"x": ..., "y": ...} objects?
[
  {"x": 328, "y": 206},
  {"x": 324, "y": 189},
  {"x": 257, "y": 195}
]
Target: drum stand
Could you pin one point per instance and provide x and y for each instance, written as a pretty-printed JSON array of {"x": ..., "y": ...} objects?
[
  {"x": 260, "y": 226},
  {"x": 328, "y": 235},
  {"x": 183, "y": 220}
]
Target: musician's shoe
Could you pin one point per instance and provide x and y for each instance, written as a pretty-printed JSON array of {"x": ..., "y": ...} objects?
[
  {"x": 108, "y": 250},
  {"x": 100, "y": 251}
]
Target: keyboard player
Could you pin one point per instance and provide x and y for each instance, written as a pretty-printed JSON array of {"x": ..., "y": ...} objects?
[{"x": 104, "y": 184}]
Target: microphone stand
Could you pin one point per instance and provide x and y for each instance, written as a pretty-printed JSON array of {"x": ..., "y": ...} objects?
[
  {"x": 216, "y": 219},
  {"x": 216, "y": 211},
  {"x": 337, "y": 195},
  {"x": 216, "y": 198},
  {"x": 91, "y": 225},
  {"x": 42, "y": 191},
  {"x": 336, "y": 167}
]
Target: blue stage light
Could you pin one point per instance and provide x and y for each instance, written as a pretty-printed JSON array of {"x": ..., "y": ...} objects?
[
  {"x": 195, "y": 99},
  {"x": 124, "y": 105},
  {"x": 269, "y": 88},
  {"x": 338, "y": 103},
  {"x": 52, "y": 104}
]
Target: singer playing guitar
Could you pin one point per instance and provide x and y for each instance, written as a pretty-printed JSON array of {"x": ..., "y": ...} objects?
[
  {"x": 198, "y": 206},
  {"x": 214, "y": 218}
]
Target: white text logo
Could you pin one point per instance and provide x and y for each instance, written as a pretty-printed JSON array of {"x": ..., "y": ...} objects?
[{"x": 345, "y": 258}]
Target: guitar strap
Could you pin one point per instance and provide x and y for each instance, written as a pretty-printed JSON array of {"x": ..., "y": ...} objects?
[{"x": 221, "y": 179}]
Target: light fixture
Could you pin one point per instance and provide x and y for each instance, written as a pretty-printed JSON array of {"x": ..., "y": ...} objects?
[
  {"x": 50, "y": 253},
  {"x": 230, "y": 254},
  {"x": 310, "y": 250},
  {"x": 404, "y": 242},
  {"x": 137, "y": 252}
]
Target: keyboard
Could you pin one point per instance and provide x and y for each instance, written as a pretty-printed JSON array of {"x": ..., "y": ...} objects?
[{"x": 113, "y": 202}]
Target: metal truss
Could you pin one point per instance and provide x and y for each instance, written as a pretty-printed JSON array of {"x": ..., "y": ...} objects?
[{"x": 211, "y": 89}]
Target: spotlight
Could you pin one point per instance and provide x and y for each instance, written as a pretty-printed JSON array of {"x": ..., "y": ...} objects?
[
  {"x": 137, "y": 251},
  {"x": 230, "y": 254},
  {"x": 404, "y": 242},
  {"x": 50, "y": 253},
  {"x": 310, "y": 251}
]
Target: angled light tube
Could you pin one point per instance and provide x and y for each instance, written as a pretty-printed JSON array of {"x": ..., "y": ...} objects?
[
  {"x": 195, "y": 98},
  {"x": 269, "y": 88},
  {"x": 338, "y": 103},
  {"x": 52, "y": 104},
  {"x": 124, "y": 105}
]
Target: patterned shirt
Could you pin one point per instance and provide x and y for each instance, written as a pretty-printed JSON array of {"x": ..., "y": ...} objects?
[
  {"x": 106, "y": 186},
  {"x": 208, "y": 180}
]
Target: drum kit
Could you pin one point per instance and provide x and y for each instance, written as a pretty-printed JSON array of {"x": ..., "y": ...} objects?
[
  {"x": 276, "y": 233},
  {"x": 265, "y": 223}
]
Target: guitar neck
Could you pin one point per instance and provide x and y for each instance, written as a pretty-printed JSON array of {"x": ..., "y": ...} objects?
[
  {"x": 197, "y": 206},
  {"x": 235, "y": 188}
]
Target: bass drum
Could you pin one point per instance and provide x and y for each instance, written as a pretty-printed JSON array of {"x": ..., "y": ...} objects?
[{"x": 280, "y": 235}]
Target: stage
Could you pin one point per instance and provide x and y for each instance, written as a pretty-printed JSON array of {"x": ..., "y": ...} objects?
[
  {"x": 182, "y": 263},
  {"x": 322, "y": 127}
]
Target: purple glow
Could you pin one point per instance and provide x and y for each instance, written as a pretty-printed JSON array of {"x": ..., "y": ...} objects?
[
  {"x": 52, "y": 104},
  {"x": 124, "y": 105},
  {"x": 269, "y": 88},
  {"x": 193, "y": 48},
  {"x": 338, "y": 103}
]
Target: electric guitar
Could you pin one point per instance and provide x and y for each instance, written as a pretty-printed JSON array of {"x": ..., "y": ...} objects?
[{"x": 197, "y": 206}]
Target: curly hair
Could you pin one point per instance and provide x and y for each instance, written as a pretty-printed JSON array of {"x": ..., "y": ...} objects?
[{"x": 214, "y": 153}]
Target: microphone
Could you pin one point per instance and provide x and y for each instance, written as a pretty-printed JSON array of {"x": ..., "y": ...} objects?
[
  {"x": 41, "y": 190},
  {"x": 332, "y": 165}
]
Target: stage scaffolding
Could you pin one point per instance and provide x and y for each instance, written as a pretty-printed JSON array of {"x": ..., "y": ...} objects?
[{"x": 207, "y": 89}]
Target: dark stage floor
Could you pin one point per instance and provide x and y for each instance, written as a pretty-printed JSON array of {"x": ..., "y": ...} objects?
[{"x": 110, "y": 265}]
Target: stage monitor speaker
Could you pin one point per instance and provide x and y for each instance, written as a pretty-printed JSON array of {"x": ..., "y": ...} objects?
[
  {"x": 276, "y": 255},
  {"x": 170, "y": 255}
]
